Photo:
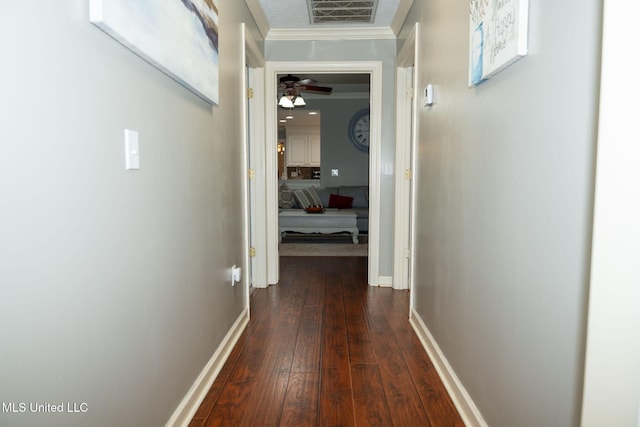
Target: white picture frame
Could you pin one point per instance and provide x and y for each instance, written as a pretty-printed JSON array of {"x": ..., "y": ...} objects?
[
  {"x": 498, "y": 36},
  {"x": 179, "y": 37}
]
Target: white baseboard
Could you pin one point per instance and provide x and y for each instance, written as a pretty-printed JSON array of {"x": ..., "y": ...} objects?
[
  {"x": 385, "y": 281},
  {"x": 186, "y": 410},
  {"x": 461, "y": 399}
]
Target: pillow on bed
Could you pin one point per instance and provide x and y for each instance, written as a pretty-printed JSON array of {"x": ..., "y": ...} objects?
[
  {"x": 340, "y": 202},
  {"x": 307, "y": 197}
]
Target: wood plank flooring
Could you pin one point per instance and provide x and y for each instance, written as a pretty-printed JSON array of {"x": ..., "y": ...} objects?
[{"x": 325, "y": 349}]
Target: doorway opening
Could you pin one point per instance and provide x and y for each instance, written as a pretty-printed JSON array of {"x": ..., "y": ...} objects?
[
  {"x": 405, "y": 189},
  {"x": 316, "y": 150},
  {"x": 320, "y": 71},
  {"x": 254, "y": 247}
]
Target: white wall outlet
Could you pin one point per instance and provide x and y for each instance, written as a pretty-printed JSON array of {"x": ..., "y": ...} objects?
[
  {"x": 335, "y": 172},
  {"x": 236, "y": 275}
]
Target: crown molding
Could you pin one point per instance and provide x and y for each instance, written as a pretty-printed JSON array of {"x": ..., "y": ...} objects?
[
  {"x": 401, "y": 15},
  {"x": 258, "y": 15},
  {"x": 331, "y": 33}
]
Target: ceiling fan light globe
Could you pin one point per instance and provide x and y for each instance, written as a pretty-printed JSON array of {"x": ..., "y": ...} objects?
[
  {"x": 299, "y": 102},
  {"x": 285, "y": 102}
]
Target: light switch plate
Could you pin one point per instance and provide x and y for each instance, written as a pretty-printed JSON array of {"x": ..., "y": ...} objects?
[
  {"x": 335, "y": 172},
  {"x": 131, "y": 150},
  {"x": 388, "y": 168}
]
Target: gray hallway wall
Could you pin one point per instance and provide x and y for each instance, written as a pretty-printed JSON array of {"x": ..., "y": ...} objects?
[
  {"x": 114, "y": 283},
  {"x": 504, "y": 209}
]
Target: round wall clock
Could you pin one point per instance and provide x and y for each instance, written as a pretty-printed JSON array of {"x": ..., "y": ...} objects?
[{"x": 359, "y": 130}]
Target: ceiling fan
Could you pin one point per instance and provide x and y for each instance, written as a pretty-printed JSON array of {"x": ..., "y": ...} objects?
[
  {"x": 303, "y": 85},
  {"x": 291, "y": 87}
]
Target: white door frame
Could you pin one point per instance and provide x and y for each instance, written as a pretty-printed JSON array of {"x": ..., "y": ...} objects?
[
  {"x": 611, "y": 394},
  {"x": 253, "y": 156},
  {"x": 273, "y": 68},
  {"x": 406, "y": 131}
]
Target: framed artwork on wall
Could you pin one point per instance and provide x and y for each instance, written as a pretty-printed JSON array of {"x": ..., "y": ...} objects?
[
  {"x": 179, "y": 37},
  {"x": 498, "y": 32}
]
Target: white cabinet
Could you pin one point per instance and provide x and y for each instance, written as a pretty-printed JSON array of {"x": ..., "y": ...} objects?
[
  {"x": 303, "y": 148},
  {"x": 297, "y": 150},
  {"x": 314, "y": 150}
]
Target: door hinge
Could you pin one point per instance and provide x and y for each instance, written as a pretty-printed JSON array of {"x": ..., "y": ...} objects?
[
  {"x": 252, "y": 173},
  {"x": 250, "y": 92},
  {"x": 408, "y": 174},
  {"x": 410, "y": 93},
  {"x": 252, "y": 252},
  {"x": 407, "y": 253}
]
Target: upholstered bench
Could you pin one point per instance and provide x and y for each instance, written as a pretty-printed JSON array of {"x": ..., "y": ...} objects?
[{"x": 327, "y": 222}]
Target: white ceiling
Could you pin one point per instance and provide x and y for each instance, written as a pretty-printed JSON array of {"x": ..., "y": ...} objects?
[
  {"x": 301, "y": 117},
  {"x": 295, "y": 14},
  {"x": 289, "y": 19}
]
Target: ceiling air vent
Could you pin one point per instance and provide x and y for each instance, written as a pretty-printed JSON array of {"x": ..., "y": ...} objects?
[{"x": 322, "y": 11}]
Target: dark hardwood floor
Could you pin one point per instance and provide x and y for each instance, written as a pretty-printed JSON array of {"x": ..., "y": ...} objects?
[{"x": 325, "y": 349}]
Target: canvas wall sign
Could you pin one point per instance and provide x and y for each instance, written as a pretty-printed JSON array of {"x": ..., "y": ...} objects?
[
  {"x": 497, "y": 36},
  {"x": 180, "y": 37}
]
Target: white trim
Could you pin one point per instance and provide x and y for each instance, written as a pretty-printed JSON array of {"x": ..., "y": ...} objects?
[
  {"x": 374, "y": 68},
  {"x": 253, "y": 127},
  {"x": 466, "y": 407},
  {"x": 246, "y": 194},
  {"x": 191, "y": 402},
  {"x": 402, "y": 184},
  {"x": 257, "y": 148},
  {"x": 331, "y": 33},
  {"x": 385, "y": 281},
  {"x": 401, "y": 15},
  {"x": 414, "y": 168},
  {"x": 258, "y": 15},
  {"x": 253, "y": 54},
  {"x": 406, "y": 131},
  {"x": 259, "y": 233},
  {"x": 407, "y": 56},
  {"x": 611, "y": 392},
  {"x": 375, "y": 163}
]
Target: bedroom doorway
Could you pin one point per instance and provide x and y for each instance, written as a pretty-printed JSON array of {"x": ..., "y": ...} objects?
[
  {"x": 406, "y": 129},
  {"x": 254, "y": 245}
]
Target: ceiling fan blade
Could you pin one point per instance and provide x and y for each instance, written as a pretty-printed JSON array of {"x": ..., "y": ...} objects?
[
  {"x": 316, "y": 89},
  {"x": 289, "y": 79},
  {"x": 307, "y": 81}
]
